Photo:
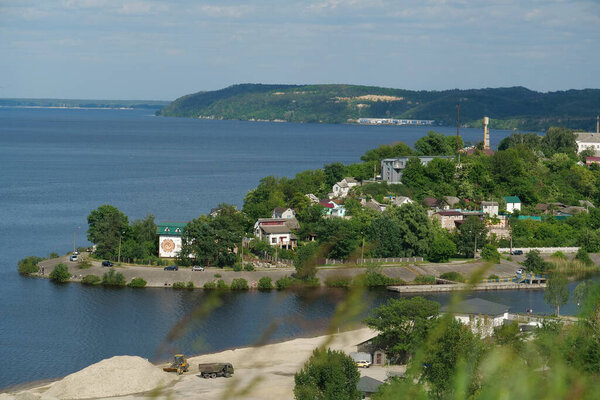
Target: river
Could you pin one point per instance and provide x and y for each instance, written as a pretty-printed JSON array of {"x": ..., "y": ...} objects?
[{"x": 59, "y": 164}]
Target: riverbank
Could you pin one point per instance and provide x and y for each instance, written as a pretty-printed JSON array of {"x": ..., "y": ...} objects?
[
  {"x": 158, "y": 277},
  {"x": 264, "y": 372}
]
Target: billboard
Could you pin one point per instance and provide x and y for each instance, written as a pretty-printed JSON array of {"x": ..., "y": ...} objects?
[{"x": 169, "y": 246}]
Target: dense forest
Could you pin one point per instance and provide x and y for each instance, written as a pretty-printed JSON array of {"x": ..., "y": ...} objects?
[
  {"x": 146, "y": 104},
  {"x": 509, "y": 108}
]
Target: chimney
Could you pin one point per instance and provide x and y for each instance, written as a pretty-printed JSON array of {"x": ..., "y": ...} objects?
[{"x": 486, "y": 133}]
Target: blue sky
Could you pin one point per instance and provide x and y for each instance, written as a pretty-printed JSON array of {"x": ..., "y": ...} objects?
[{"x": 146, "y": 49}]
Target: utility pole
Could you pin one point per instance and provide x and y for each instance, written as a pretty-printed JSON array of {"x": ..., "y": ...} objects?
[
  {"x": 362, "y": 251},
  {"x": 74, "y": 236},
  {"x": 475, "y": 251},
  {"x": 119, "y": 258},
  {"x": 457, "y": 130},
  {"x": 242, "y": 250}
]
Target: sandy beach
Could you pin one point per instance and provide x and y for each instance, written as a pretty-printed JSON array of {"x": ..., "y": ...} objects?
[{"x": 265, "y": 372}]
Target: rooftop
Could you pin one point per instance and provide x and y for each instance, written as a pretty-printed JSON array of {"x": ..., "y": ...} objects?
[
  {"x": 512, "y": 199},
  {"x": 366, "y": 384},
  {"x": 275, "y": 229},
  {"x": 476, "y": 306},
  {"x": 170, "y": 228},
  {"x": 587, "y": 137}
]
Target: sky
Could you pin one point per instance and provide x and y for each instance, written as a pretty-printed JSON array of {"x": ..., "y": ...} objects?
[{"x": 160, "y": 50}]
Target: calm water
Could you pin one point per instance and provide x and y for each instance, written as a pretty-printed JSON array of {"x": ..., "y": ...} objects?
[{"x": 57, "y": 165}]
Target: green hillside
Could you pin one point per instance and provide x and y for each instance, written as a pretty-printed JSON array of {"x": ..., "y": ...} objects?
[
  {"x": 515, "y": 107},
  {"x": 149, "y": 104}
]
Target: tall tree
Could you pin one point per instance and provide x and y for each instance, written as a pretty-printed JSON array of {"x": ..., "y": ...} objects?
[
  {"x": 327, "y": 375},
  {"x": 433, "y": 144},
  {"x": 414, "y": 226},
  {"x": 556, "y": 293},
  {"x": 473, "y": 229},
  {"x": 403, "y": 325},
  {"x": 559, "y": 140},
  {"x": 107, "y": 226}
]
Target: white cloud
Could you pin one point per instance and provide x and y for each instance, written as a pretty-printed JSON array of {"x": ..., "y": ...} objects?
[{"x": 225, "y": 11}]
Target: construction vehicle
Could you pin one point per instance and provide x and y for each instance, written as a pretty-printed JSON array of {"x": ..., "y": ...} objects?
[
  {"x": 212, "y": 370},
  {"x": 180, "y": 365}
]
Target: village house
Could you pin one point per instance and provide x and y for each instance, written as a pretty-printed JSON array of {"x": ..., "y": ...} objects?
[
  {"x": 480, "y": 315},
  {"x": 278, "y": 235},
  {"x": 374, "y": 205},
  {"x": 342, "y": 188},
  {"x": 392, "y": 168},
  {"x": 512, "y": 203},
  {"x": 291, "y": 223},
  {"x": 592, "y": 160},
  {"x": 588, "y": 141},
  {"x": 448, "y": 202},
  {"x": 333, "y": 209},
  {"x": 283, "y": 212},
  {"x": 490, "y": 208},
  {"x": 378, "y": 355},
  {"x": 448, "y": 219},
  {"x": 401, "y": 200},
  {"x": 313, "y": 199},
  {"x": 169, "y": 238}
]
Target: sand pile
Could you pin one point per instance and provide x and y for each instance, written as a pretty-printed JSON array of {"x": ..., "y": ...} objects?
[{"x": 116, "y": 376}]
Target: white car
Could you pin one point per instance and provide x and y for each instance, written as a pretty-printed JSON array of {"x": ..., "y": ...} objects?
[
  {"x": 73, "y": 257},
  {"x": 520, "y": 271},
  {"x": 363, "y": 364},
  {"x": 197, "y": 268}
]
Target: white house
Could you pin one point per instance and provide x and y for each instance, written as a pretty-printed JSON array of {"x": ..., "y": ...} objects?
[
  {"x": 169, "y": 238},
  {"x": 333, "y": 209},
  {"x": 279, "y": 235},
  {"x": 587, "y": 141},
  {"x": 490, "y": 208},
  {"x": 313, "y": 199},
  {"x": 512, "y": 203},
  {"x": 290, "y": 223},
  {"x": 480, "y": 315},
  {"x": 342, "y": 188},
  {"x": 401, "y": 200},
  {"x": 283, "y": 212}
]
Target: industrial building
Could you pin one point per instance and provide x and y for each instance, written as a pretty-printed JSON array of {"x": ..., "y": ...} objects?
[{"x": 391, "y": 168}]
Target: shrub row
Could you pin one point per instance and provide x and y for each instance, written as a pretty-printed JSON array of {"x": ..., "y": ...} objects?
[{"x": 369, "y": 279}]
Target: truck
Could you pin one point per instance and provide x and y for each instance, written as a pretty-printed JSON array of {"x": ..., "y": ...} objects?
[{"x": 212, "y": 370}]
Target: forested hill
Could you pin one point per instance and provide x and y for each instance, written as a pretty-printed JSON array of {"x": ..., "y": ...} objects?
[{"x": 515, "y": 107}]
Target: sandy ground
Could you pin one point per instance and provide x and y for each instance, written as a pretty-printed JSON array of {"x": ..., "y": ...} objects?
[{"x": 265, "y": 372}]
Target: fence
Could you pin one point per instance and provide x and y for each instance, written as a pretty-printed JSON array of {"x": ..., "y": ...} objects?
[
  {"x": 389, "y": 260},
  {"x": 541, "y": 249},
  {"x": 272, "y": 259}
]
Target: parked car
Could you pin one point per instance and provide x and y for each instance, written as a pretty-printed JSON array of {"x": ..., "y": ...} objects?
[
  {"x": 363, "y": 364},
  {"x": 521, "y": 271},
  {"x": 172, "y": 268},
  {"x": 197, "y": 268},
  {"x": 516, "y": 252},
  {"x": 76, "y": 252},
  {"x": 73, "y": 257},
  {"x": 107, "y": 264}
]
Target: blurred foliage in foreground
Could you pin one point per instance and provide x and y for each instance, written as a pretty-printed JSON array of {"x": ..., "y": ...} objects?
[{"x": 554, "y": 361}]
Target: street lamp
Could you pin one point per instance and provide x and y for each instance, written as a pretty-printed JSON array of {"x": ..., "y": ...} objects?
[
  {"x": 120, "y": 236},
  {"x": 74, "y": 236}
]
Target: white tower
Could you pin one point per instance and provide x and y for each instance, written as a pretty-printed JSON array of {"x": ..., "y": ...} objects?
[{"x": 486, "y": 133}]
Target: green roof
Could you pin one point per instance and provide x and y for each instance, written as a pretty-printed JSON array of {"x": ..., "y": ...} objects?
[
  {"x": 170, "y": 228},
  {"x": 512, "y": 199}
]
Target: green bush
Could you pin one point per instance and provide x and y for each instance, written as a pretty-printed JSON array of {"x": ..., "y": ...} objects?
[
  {"x": 310, "y": 281},
  {"x": 284, "y": 283},
  {"x": 559, "y": 254},
  {"x": 91, "y": 280},
  {"x": 493, "y": 276},
  {"x": 452, "y": 276},
  {"x": 210, "y": 286},
  {"x": 113, "y": 278},
  {"x": 265, "y": 283},
  {"x": 53, "y": 255},
  {"x": 425, "y": 280},
  {"x": 221, "y": 285},
  {"x": 249, "y": 267},
  {"x": 583, "y": 256},
  {"x": 85, "y": 264},
  {"x": 137, "y": 283},
  {"x": 338, "y": 281},
  {"x": 190, "y": 285},
  {"x": 237, "y": 267},
  {"x": 239, "y": 284},
  {"x": 178, "y": 285},
  {"x": 373, "y": 279},
  {"x": 490, "y": 253},
  {"x": 60, "y": 273},
  {"x": 535, "y": 263},
  {"x": 28, "y": 265},
  {"x": 217, "y": 275}
]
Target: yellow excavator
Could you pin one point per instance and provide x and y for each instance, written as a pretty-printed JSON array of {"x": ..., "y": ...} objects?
[{"x": 179, "y": 365}]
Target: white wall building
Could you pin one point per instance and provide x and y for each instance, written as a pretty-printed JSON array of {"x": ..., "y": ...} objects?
[
  {"x": 342, "y": 188},
  {"x": 587, "y": 141},
  {"x": 490, "y": 208},
  {"x": 480, "y": 315},
  {"x": 512, "y": 203},
  {"x": 283, "y": 212}
]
